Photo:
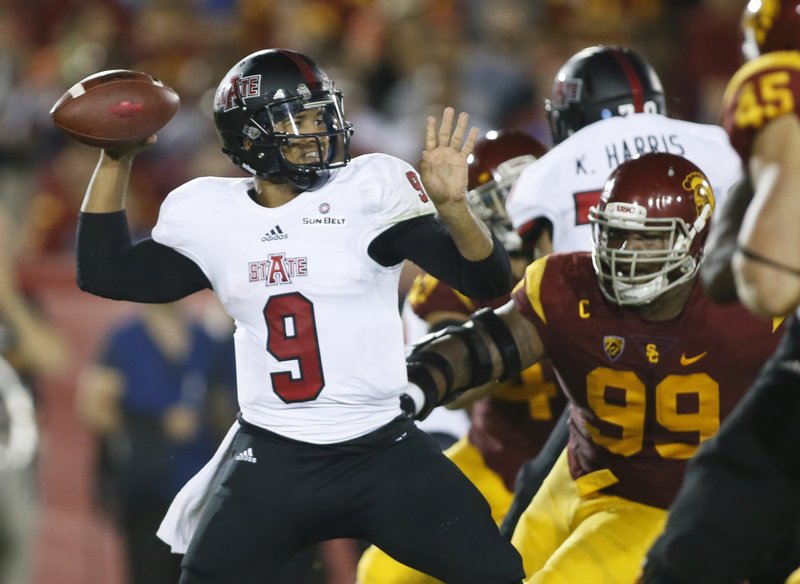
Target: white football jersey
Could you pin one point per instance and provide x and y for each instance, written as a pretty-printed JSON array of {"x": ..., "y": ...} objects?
[
  {"x": 562, "y": 185},
  {"x": 319, "y": 338}
]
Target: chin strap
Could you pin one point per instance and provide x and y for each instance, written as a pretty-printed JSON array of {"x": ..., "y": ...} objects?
[{"x": 310, "y": 182}]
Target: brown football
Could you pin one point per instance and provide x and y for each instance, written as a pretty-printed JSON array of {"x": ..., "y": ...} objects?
[{"x": 115, "y": 109}]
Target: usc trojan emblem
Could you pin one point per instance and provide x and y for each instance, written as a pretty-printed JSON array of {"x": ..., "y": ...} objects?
[
  {"x": 697, "y": 184},
  {"x": 761, "y": 22},
  {"x": 613, "y": 346}
]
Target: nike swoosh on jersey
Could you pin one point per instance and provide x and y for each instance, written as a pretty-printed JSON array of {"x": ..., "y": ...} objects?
[{"x": 689, "y": 360}]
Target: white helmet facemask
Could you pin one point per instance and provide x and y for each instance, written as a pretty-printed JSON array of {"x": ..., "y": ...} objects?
[
  {"x": 637, "y": 277},
  {"x": 488, "y": 201}
]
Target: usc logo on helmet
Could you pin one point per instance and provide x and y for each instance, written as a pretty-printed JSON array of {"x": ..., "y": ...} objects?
[
  {"x": 761, "y": 21},
  {"x": 697, "y": 184}
]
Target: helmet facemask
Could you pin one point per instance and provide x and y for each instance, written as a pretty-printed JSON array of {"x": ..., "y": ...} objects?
[
  {"x": 488, "y": 201},
  {"x": 637, "y": 277},
  {"x": 300, "y": 138}
]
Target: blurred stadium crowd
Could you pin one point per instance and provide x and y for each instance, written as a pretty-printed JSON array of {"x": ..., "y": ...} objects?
[{"x": 395, "y": 61}]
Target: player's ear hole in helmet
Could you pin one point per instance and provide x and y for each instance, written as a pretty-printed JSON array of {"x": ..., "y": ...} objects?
[
  {"x": 601, "y": 82},
  {"x": 649, "y": 227},
  {"x": 278, "y": 115},
  {"x": 495, "y": 163}
]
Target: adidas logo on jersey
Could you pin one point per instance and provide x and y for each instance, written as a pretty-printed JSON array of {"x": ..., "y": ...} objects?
[
  {"x": 246, "y": 456},
  {"x": 275, "y": 234}
]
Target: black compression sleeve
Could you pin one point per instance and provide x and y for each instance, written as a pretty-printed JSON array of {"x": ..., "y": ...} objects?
[
  {"x": 109, "y": 265},
  {"x": 427, "y": 243}
]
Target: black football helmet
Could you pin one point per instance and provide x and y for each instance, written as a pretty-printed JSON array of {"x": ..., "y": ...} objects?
[
  {"x": 495, "y": 163},
  {"x": 258, "y": 113},
  {"x": 600, "y": 82},
  {"x": 656, "y": 195},
  {"x": 769, "y": 26}
]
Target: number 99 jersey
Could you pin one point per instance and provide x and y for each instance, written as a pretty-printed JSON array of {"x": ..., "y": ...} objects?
[
  {"x": 760, "y": 91},
  {"x": 644, "y": 394}
]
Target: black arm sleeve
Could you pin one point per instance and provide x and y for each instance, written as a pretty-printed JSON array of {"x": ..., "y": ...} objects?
[
  {"x": 109, "y": 265},
  {"x": 427, "y": 243}
]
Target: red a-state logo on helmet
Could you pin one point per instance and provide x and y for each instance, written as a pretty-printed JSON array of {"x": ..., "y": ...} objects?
[{"x": 237, "y": 90}]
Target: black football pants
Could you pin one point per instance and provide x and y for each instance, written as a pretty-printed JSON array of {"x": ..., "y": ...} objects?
[{"x": 393, "y": 488}]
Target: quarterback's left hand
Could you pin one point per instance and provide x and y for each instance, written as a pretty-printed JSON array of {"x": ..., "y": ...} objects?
[
  {"x": 444, "y": 161},
  {"x": 414, "y": 403}
]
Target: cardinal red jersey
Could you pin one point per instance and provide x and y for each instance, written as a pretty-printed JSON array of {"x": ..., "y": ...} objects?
[
  {"x": 645, "y": 394},
  {"x": 510, "y": 427},
  {"x": 761, "y": 90}
]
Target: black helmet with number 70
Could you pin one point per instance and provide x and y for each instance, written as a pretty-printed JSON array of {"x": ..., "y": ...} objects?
[
  {"x": 601, "y": 82},
  {"x": 649, "y": 228},
  {"x": 262, "y": 109}
]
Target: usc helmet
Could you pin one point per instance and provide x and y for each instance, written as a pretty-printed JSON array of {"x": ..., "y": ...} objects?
[
  {"x": 495, "y": 163},
  {"x": 270, "y": 89},
  {"x": 600, "y": 82},
  {"x": 667, "y": 202},
  {"x": 770, "y": 25}
]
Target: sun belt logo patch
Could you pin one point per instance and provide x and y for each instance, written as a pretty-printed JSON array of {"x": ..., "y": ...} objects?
[{"x": 613, "y": 346}]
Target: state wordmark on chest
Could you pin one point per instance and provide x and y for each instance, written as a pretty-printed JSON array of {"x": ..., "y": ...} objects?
[{"x": 277, "y": 269}]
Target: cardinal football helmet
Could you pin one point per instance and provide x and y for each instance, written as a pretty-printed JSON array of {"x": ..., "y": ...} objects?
[
  {"x": 496, "y": 161},
  {"x": 259, "y": 114},
  {"x": 666, "y": 202},
  {"x": 600, "y": 82},
  {"x": 770, "y": 25}
]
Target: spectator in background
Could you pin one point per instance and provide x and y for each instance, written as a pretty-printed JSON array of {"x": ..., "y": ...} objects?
[
  {"x": 27, "y": 340},
  {"x": 29, "y": 348},
  {"x": 696, "y": 76},
  {"x": 18, "y": 508},
  {"x": 146, "y": 399}
]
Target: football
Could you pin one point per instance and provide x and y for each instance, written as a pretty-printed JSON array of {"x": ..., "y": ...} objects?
[{"x": 115, "y": 109}]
